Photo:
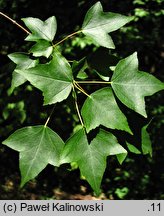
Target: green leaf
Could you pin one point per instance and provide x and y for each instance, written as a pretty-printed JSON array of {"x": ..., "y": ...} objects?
[
  {"x": 121, "y": 157},
  {"x": 145, "y": 141},
  {"x": 131, "y": 85},
  {"x": 106, "y": 143},
  {"x": 54, "y": 79},
  {"x": 97, "y": 24},
  {"x": 41, "y": 29},
  {"x": 101, "y": 109},
  {"x": 132, "y": 148},
  {"x": 23, "y": 62},
  {"x": 74, "y": 145},
  {"x": 91, "y": 158},
  {"x": 101, "y": 60},
  {"x": 38, "y": 147},
  {"x": 78, "y": 68},
  {"x": 42, "y": 48}
]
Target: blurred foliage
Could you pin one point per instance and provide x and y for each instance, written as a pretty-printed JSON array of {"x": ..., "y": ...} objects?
[{"x": 140, "y": 177}]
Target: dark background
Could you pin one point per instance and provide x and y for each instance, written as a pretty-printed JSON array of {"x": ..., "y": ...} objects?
[{"x": 140, "y": 177}]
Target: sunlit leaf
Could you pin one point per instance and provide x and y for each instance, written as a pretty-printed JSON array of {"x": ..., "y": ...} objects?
[
  {"x": 41, "y": 29},
  {"x": 131, "y": 85},
  {"x": 97, "y": 24}
]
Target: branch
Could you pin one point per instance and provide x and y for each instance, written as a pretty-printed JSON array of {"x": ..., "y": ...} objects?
[
  {"x": 14, "y": 22},
  {"x": 93, "y": 82},
  {"x": 69, "y": 36},
  {"x": 48, "y": 119},
  {"x": 77, "y": 107},
  {"x": 80, "y": 88}
]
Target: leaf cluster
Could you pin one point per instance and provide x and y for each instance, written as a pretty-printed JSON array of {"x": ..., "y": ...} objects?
[{"x": 58, "y": 78}]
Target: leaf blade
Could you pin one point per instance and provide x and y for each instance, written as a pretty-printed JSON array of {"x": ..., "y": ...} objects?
[
  {"x": 42, "y": 48},
  {"x": 35, "y": 152},
  {"x": 91, "y": 159},
  {"x": 102, "y": 109},
  {"x": 22, "y": 61},
  {"x": 132, "y": 148},
  {"x": 97, "y": 24},
  {"x": 146, "y": 141},
  {"x": 54, "y": 79},
  {"x": 41, "y": 29},
  {"x": 131, "y": 85}
]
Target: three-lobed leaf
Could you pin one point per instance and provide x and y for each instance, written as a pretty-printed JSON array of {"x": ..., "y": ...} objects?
[
  {"x": 101, "y": 109},
  {"x": 131, "y": 85},
  {"x": 91, "y": 158},
  {"x": 38, "y": 147},
  {"x": 97, "y": 24},
  {"x": 54, "y": 79},
  {"x": 41, "y": 29},
  {"x": 22, "y": 61}
]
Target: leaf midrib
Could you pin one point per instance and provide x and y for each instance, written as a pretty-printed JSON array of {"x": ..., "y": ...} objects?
[
  {"x": 92, "y": 168},
  {"x": 98, "y": 26},
  {"x": 51, "y": 78},
  {"x": 49, "y": 39},
  {"x": 132, "y": 84},
  {"x": 32, "y": 161}
]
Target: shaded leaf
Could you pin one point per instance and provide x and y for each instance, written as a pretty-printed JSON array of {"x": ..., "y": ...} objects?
[
  {"x": 97, "y": 24},
  {"x": 42, "y": 48},
  {"x": 75, "y": 145},
  {"x": 131, "y": 85},
  {"x": 79, "y": 67},
  {"x": 101, "y": 109},
  {"x": 91, "y": 158},
  {"x": 101, "y": 61},
  {"x": 38, "y": 147},
  {"x": 112, "y": 146},
  {"x": 22, "y": 61},
  {"x": 41, "y": 29},
  {"x": 54, "y": 79},
  {"x": 82, "y": 75},
  {"x": 133, "y": 149},
  {"x": 145, "y": 141}
]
